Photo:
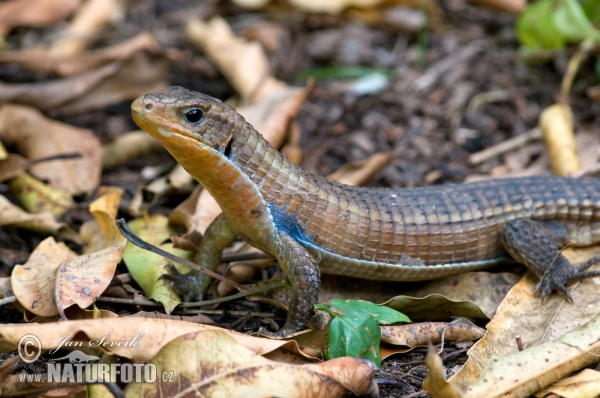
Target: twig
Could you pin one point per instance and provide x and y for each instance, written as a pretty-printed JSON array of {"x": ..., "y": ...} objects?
[{"x": 505, "y": 146}]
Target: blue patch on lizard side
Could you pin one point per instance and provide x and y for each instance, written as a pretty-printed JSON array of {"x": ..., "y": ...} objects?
[{"x": 284, "y": 221}]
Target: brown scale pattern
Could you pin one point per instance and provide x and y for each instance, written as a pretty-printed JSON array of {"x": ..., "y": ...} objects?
[{"x": 440, "y": 224}]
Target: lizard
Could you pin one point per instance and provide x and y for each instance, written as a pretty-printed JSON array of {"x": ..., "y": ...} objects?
[{"x": 312, "y": 225}]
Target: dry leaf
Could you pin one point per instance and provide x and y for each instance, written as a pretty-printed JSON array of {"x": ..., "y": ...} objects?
[
  {"x": 43, "y": 222},
  {"x": 128, "y": 146},
  {"x": 139, "y": 75},
  {"x": 33, "y": 283},
  {"x": 211, "y": 363},
  {"x": 435, "y": 383},
  {"x": 35, "y": 13},
  {"x": 81, "y": 280},
  {"x": 585, "y": 384},
  {"x": 522, "y": 373},
  {"x": 37, "y": 136},
  {"x": 88, "y": 20},
  {"x": 359, "y": 173},
  {"x": 53, "y": 93},
  {"x": 243, "y": 63},
  {"x": 102, "y": 232},
  {"x": 421, "y": 334},
  {"x": 154, "y": 335},
  {"x": 35, "y": 196},
  {"x": 42, "y": 60},
  {"x": 523, "y": 315},
  {"x": 13, "y": 166},
  {"x": 556, "y": 123}
]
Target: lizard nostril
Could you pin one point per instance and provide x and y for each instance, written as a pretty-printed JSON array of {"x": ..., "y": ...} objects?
[{"x": 149, "y": 105}]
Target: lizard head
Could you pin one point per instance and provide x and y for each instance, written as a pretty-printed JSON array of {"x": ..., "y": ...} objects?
[{"x": 181, "y": 119}]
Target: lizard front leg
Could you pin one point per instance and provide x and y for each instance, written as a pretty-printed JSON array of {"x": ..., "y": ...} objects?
[
  {"x": 193, "y": 285},
  {"x": 304, "y": 275}
]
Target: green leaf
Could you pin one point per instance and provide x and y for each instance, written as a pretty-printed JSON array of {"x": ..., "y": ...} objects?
[
  {"x": 536, "y": 29},
  {"x": 355, "y": 334},
  {"x": 383, "y": 315},
  {"x": 591, "y": 8},
  {"x": 572, "y": 23}
]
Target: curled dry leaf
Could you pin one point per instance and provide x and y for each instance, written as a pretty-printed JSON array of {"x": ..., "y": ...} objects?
[
  {"x": 35, "y": 196},
  {"x": 43, "y": 60},
  {"x": 36, "y": 13},
  {"x": 556, "y": 123},
  {"x": 523, "y": 315},
  {"x": 81, "y": 280},
  {"x": 43, "y": 222},
  {"x": 102, "y": 232},
  {"x": 128, "y": 146},
  {"x": 359, "y": 173},
  {"x": 211, "y": 363},
  {"x": 152, "y": 335},
  {"x": 34, "y": 282},
  {"x": 37, "y": 136},
  {"x": 138, "y": 75},
  {"x": 435, "y": 383},
  {"x": 522, "y": 373},
  {"x": 420, "y": 334},
  {"x": 243, "y": 63},
  {"x": 51, "y": 94},
  {"x": 584, "y": 384},
  {"x": 92, "y": 16}
]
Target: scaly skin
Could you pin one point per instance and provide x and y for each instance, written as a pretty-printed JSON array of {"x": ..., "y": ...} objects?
[{"x": 310, "y": 224}]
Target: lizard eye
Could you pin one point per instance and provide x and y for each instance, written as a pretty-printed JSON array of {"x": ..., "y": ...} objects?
[{"x": 194, "y": 116}]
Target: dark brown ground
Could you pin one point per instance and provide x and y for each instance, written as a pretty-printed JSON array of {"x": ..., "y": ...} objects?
[{"x": 424, "y": 122}]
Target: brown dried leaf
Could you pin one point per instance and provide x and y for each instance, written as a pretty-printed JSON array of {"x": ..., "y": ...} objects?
[
  {"x": 105, "y": 232},
  {"x": 243, "y": 63},
  {"x": 41, "y": 59},
  {"x": 212, "y": 363},
  {"x": 523, "y": 315},
  {"x": 34, "y": 282},
  {"x": 421, "y": 334},
  {"x": 359, "y": 173},
  {"x": 13, "y": 166},
  {"x": 139, "y": 75},
  {"x": 128, "y": 146},
  {"x": 556, "y": 123},
  {"x": 435, "y": 383},
  {"x": 154, "y": 334},
  {"x": 37, "y": 136},
  {"x": 51, "y": 94},
  {"x": 35, "y": 13},
  {"x": 81, "y": 280},
  {"x": 522, "y": 373},
  {"x": 90, "y": 18},
  {"x": 43, "y": 222},
  {"x": 585, "y": 384}
]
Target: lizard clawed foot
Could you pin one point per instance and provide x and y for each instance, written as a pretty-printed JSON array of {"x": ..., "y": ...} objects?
[
  {"x": 557, "y": 281},
  {"x": 187, "y": 286}
]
